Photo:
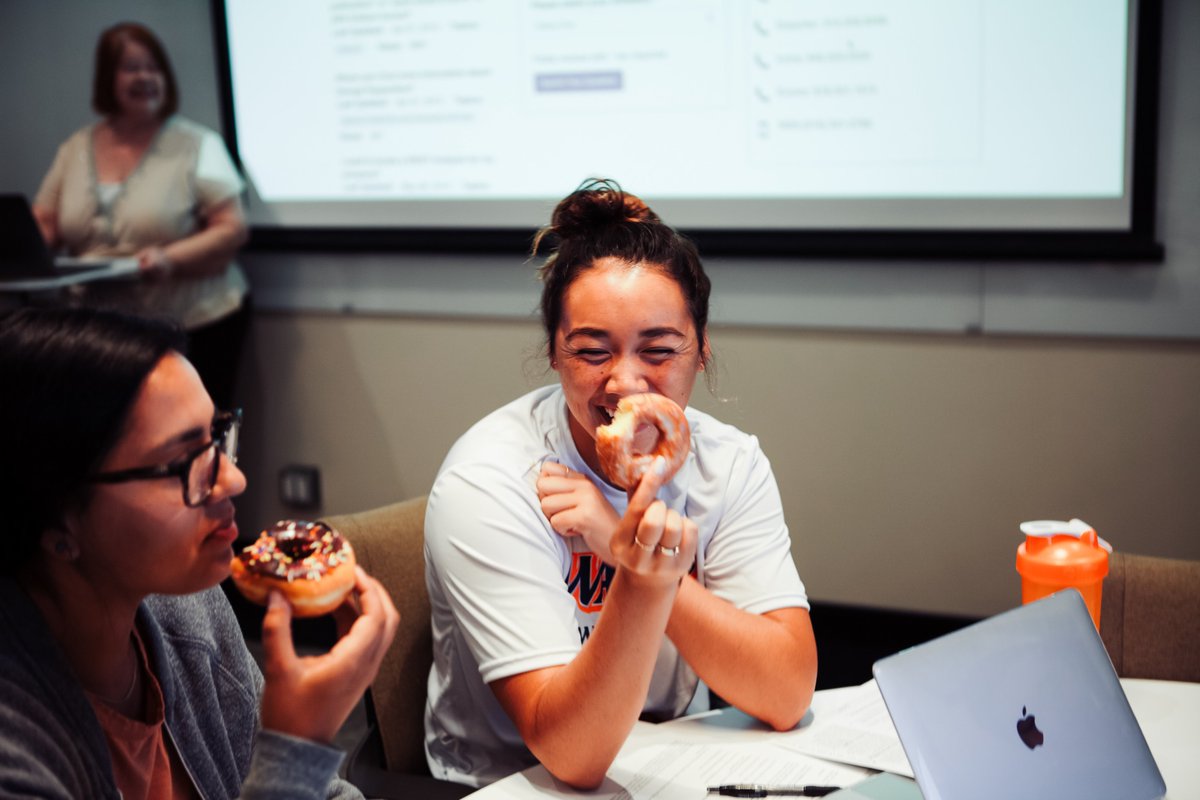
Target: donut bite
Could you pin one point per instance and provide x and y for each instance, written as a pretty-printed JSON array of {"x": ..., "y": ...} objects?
[
  {"x": 310, "y": 563},
  {"x": 644, "y": 427}
]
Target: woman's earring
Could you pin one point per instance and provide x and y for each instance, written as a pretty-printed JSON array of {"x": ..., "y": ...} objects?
[{"x": 65, "y": 548}]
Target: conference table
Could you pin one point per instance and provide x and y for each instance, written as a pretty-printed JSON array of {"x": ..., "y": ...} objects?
[
  {"x": 676, "y": 760},
  {"x": 42, "y": 290},
  {"x": 116, "y": 268}
]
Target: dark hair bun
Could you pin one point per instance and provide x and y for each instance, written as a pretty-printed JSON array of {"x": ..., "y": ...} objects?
[{"x": 595, "y": 205}]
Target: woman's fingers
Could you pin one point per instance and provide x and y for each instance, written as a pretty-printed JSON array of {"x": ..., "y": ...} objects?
[
  {"x": 153, "y": 261},
  {"x": 556, "y": 479},
  {"x": 345, "y": 615},
  {"x": 376, "y": 600},
  {"x": 555, "y": 475},
  {"x": 557, "y": 503},
  {"x": 567, "y": 517},
  {"x": 278, "y": 650},
  {"x": 688, "y": 540},
  {"x": 574, "y": 506},
  {"x": 312, "y": 696},
  {"x": 647, "y": 489},
  {"x": 371, "y": 634},
  {"x": 661, "y": 530},
  {"x": 650, "y": 528},
  {"x": 664, "y": 545},
  {"x": 548, "y": 486},
  {"x": 672, "y": 533},
  {"x": 654, "y": 525}
]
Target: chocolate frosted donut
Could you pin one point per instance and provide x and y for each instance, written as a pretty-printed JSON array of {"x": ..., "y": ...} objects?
[
  {"x": 625, "y": 456},
  {"x": 309, "y": 562}
]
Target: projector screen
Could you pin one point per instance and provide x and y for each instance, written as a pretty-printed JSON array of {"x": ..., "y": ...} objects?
[{"x": 1002, "y": 127}]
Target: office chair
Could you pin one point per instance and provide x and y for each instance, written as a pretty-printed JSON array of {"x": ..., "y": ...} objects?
[
  {"x": 390, "y": 761},
  {"x": 1150, "y": 617}
]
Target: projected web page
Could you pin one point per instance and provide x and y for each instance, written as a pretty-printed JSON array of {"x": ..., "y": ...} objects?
[{"x": 480, "y": 100}]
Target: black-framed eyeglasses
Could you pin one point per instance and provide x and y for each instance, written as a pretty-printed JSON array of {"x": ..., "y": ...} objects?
[{"x": 198, "y": 470}]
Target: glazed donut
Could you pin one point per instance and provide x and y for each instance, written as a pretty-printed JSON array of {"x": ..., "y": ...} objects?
[
  {"x": 625, "y": 454},
  {"x": 309, "y": 562}
]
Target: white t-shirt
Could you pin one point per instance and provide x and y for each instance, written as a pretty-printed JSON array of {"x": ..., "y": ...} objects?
[{"x": 509, "y": 595}]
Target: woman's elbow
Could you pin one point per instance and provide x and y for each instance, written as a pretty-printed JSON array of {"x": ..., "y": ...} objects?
[
  {"x": 230, "y": 228},
  {"x": 791, "y": 702},
  {"x": 239, "y": 234},
  {"x": 580, "y": 767},
  {"x": 581, "y": 780},
  {"x": 786, "y": 718}
]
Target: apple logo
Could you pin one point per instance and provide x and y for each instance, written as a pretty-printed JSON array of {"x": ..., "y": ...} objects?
[{"x": 1027, "y": 729}]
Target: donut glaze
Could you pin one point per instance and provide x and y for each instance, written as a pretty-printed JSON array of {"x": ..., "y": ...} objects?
[
  {"x": 309, "y": 562},
  {"x": 623, "y": 462}
]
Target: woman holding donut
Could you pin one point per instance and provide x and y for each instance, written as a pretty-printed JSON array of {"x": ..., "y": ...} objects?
[
  {"x": 566, "y": 605},
  {"x": 123, "y": 672}
]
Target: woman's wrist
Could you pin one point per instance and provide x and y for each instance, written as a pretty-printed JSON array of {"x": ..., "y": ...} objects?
[
  {"x": 164, "y": 264},
  {"x": 155, "y": 261}
]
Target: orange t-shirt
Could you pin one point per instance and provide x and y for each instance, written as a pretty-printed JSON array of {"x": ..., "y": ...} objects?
[{"x": 143, "y": 764}]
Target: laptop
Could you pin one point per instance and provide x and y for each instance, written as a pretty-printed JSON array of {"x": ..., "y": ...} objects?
[
  {"x": 25, "y": 259},
  {"x": 1022, "y": 704}
]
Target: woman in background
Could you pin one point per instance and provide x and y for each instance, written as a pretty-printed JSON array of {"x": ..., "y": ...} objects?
[
  {"x": 123, "y": 672},
  {"x": 147, "y": 183},
  {"x": 565, "y": 607}
]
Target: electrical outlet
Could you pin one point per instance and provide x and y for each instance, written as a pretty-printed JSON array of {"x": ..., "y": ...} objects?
[{"x": 300, "y": 486}]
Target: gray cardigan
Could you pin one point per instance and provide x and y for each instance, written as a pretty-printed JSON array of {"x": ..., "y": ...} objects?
[{"x": 51, "y": 744}]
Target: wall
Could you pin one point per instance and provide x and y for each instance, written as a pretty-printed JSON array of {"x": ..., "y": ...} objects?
[
  {"x": 906, "y": 461},
  {"x": 915, "y": 413}
]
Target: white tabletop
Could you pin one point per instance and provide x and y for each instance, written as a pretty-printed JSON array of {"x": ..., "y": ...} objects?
[
  {"x": 115, "y": 268},
  {"x": 1168, "y": 712}
]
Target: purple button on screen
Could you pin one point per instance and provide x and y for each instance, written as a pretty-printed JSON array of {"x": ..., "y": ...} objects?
[{"x": 578, "y": 81}]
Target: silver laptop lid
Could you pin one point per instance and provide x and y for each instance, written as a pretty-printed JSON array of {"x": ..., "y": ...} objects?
[{"x": 1023, "y": 704}]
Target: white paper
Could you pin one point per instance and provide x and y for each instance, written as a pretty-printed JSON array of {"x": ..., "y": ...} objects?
[
  {"x": 675, "y": 771},
  {"x": 858, "y": 731}
]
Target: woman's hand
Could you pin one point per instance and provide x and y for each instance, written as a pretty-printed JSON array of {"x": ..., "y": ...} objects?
[
  {"x": 652, "y": 542},
  {"x": 575, "y": 507},
  {"x": 153, "y": 262},
  {"x": 574, "y": 717},
  {"x": 205, "y": 253},
  {"x": 311, "y": 696}
]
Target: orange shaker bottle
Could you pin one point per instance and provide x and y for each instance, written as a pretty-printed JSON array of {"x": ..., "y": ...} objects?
[{"x": 1059, "y": 554}]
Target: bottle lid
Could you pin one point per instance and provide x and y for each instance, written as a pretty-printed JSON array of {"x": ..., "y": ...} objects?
[{"x": 1062, "y": 553}]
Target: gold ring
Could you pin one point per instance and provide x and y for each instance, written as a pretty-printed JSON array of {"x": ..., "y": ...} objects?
[
  {"x": 649, "y": 548},
  {"x": 669, "y": 551}
]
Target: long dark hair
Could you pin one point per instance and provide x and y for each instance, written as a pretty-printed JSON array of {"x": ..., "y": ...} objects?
[
  {"x": 600, "y": 220},
  {"x": 68, "y": 379}
]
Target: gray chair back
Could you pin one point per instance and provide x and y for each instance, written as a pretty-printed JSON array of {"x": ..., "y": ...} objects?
[{"x": 389, "y": 544}]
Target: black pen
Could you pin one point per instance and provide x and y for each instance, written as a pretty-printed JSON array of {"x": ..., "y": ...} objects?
[{"x": 759, "y": 790}]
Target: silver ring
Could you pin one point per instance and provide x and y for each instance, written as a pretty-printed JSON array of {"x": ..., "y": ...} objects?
[
  {"x": 649, "y": 548},
  {"x": 669, "y": 551}
]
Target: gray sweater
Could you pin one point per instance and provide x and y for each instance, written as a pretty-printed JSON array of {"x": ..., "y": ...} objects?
[{"x": 51, "y": 744}]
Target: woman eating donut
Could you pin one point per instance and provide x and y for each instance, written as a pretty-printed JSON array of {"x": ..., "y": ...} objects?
[
  {"x": 571, "y": 598},
  {"x": 123, "y": 672}
]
